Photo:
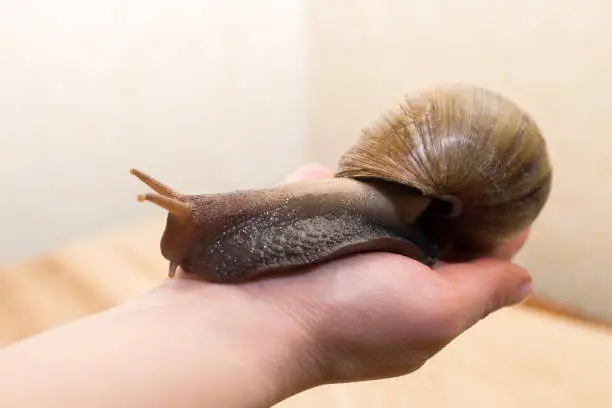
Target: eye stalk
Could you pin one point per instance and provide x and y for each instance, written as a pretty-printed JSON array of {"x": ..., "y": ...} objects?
[{"x": 166, "y": 197}]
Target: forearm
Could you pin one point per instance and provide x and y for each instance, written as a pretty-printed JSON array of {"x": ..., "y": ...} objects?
[{"x": 186, "y": 344}]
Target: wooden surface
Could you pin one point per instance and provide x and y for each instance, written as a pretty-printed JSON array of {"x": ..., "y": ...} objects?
[{"x": 519, "y": 357}]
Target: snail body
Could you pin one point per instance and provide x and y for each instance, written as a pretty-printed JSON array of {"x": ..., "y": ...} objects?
[{"x": 450, "y": 175}]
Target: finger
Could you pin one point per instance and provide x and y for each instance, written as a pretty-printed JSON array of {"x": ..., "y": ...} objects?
[
  {"x": 509, "y": 250},
  {"x": 310, "y": 172},
  {"x": 485, "y": 286}
]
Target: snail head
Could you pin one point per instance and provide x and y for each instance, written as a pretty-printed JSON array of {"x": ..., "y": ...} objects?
[{"x": 180, "y": 228}]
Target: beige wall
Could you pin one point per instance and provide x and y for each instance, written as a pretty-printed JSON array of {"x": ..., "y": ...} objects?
[
  {"x": 206, "y": 95},
  {"x": 213, "y": 96},
  {"x": 552, "y": 57}
]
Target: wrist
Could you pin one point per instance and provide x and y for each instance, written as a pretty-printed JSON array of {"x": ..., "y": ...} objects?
[{"x": 255, "y": 343}]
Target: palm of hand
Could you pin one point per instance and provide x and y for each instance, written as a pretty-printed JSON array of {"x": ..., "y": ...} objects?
[{"x": 379, "y": 315}]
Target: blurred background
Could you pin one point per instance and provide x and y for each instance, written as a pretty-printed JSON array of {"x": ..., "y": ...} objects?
[
  {"x": 211, "y": 96},
  {"x": 205, "y": 95}
]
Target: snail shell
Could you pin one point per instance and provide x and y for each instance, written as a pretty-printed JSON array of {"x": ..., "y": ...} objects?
[
  {"x": 470, "y": 147},
  {"x": 451, "y": 174}
]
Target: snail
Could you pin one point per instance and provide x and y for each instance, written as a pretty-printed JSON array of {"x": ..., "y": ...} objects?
[{"x": 451, "y": 174}]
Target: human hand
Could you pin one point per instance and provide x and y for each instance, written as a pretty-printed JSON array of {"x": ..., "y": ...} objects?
[
  {"x": 380, "y": 315},
  {"x": 191, "y": 343},
  {"x": 367, "y": 316}
]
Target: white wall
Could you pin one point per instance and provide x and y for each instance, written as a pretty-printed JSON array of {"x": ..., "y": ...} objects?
[
  {"x": 206, "y": 95},
  {"x": 553, "y": 57}
]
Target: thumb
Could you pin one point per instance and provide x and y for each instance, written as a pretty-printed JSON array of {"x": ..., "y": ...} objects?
[{"x": 485, "y": 286}]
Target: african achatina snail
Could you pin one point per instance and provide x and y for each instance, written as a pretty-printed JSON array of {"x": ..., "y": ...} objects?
[{"x": 450, "y": 175}]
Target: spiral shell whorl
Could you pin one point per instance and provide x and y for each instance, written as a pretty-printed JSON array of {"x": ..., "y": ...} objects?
[{"x": 464, "y": 142}]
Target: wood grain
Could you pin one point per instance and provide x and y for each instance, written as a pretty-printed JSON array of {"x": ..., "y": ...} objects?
[{"x": 520, "y": 357}]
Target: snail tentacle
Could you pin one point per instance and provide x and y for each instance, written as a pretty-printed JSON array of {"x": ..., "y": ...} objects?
[
  {"x": 174, "y": 206},
  {"x": 154, "y": 184}
]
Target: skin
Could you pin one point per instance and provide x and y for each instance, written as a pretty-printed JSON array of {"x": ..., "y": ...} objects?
[{"x": 193, "y": 343}]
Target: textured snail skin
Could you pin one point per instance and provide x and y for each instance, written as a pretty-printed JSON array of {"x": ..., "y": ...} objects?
[
  {"x": 240, "y": 235},
  {"x": 451, "y": 174}
]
